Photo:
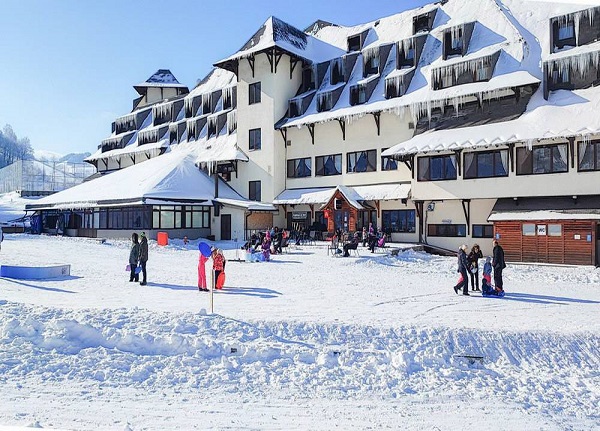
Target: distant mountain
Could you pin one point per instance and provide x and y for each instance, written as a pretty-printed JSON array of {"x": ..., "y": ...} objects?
[{"x": 74, "y": 157}]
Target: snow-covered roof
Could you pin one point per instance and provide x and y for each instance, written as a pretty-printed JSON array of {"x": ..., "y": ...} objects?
[
  {"x": 277, "y": 33},
  {"x": 307, "y": 196},
  {"x": 215, "y": 80},
  {"x": 161, "y": 78},
  {"x": 220, "y": 149},
  {"x": 352, "y": 193},
  {"x": 129, "y": 149},
  {"x": 173, "y": 176},
  {"x": 543, "y": 215},
  {"x": 564, "y": 114},
  {"x": 246, "y": 204},
  {"x": 495, "y": 31}
]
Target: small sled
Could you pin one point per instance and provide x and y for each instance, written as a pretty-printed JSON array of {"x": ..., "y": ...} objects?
[
  {"x": 220, "y": 281},
  {"x": 493, "y": 294}
]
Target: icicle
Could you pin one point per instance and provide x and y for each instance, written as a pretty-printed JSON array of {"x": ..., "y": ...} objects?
[
  {"x": 231, "y": 122},
  {"x": 529, "y": 144}
]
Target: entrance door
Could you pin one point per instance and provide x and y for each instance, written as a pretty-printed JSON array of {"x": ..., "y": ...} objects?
[{"x": 225, "y": 226}]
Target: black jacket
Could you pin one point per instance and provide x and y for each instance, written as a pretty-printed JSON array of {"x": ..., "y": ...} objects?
[
  {"x": 463, "y": 262},
  {"x": 475, "y": 256},
  {"x": 498, "y": 258}
]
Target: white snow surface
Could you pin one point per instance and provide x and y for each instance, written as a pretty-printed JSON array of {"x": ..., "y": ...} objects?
[{"x": 369, "y": 342}]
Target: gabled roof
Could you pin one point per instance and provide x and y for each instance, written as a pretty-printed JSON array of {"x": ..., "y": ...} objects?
[
  {"x": 161, "y": 78},
  {"x": 374, "y": 192},
  {"x": 172, "y": 177},
  {"x": 277, "y": 33}
]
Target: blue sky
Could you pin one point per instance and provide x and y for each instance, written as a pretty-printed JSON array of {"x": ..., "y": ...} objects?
[{"x": 69, "y": 66}]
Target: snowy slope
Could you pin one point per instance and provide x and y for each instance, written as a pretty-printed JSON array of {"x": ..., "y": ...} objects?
[{"x": 360, "y": 343}]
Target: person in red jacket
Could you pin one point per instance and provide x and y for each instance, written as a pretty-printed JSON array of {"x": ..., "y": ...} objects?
[
  {"x": 218, "y": 267},
  {"x": 202, "y": 273}
]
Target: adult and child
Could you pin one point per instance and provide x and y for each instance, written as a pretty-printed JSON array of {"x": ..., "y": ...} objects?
[
  {"x": 138, "y": 256},
  {"x": 468, "y": 265}
]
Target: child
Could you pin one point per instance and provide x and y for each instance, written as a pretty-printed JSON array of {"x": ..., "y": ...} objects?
[
  {"x": 486, "y": 283},
  {"x": 218, "y": 267}
]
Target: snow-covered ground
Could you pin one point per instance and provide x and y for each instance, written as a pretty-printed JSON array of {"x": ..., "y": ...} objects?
[{"x": 369, "y": 342}]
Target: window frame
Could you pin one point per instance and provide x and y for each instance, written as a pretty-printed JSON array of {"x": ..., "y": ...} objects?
[
  {"x": 460, "y": 230},
  {"x": 432, "y": 158},
  {"x": 531, "y": 164},
  {"x": 254, "y": 189},
  {"x": 294, "y": 163},
  {"x": 253, "y": 144},
  {"x": 370, "y": 155},
  {"x": 323, "y": 159},
  {"x": 484, "y": 228},
  {"x": 476, "y": 155},
  {"x": 385, "y": 159},
  {"x": 254, "y": 93},
  {"x": 595, "y": 156},
  {"x": 406, "y": 215}
]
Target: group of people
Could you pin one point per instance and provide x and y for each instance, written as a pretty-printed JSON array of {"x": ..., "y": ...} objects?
[
  {"x": 468, "y": 267},
  {"x": 138, "y": 257},
  {"x": 370, "y": 238},
  {"x": 266, "y": 243}
]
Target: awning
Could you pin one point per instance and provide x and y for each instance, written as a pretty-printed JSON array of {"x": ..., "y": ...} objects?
[{"x": 375, "y": 192}]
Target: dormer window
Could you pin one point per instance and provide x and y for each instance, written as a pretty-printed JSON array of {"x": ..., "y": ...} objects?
[
  {"x": 563, "y": 32},
  {"x": 357, "y": 41},
  {"x": 308, "y": 79},
  {"x": 337, "y": 71},
  {"x": 358, "y": 94},
  {"x": 423, "y": 23},
  {"x": 371, "y": 62},
  {"x": 560, "y": 76},
  {"x": 324, "y": 101},
  {"x": 354, "y": 43},
  {"x": 456, "y": 40},
  {"x": 406, "y": 54}
]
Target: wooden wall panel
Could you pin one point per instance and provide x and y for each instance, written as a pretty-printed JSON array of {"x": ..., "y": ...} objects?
[{"x": 572, "y": 247}]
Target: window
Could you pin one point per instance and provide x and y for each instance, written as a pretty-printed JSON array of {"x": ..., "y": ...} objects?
[
  {"x": 337, "y": 73},
  {"x": 387, "y": 163},
  {"x": 398, "y": 221},
  {"x": 528, "y": 229},
  {"x": 566, "y": 30},
  {"x": 542, "y": 160},
  {"x": 180, "y": 217},
  {"x": 561, "y": 76},
  {"x": 254, "y": 142},
  {"x": 371, "y": 62},
  {"x": 436, "y": 168},
  {"x": 358, "y": 94},
  {"x": 483, "y": 231},
  {"x": 324, "y": 101},
  {"x": 449, "y": 230},
  {"x": 308, "y": 79},
  {"x": 453, "y": 42},
  {"x": 299, "y": 168},
  {"x": 486, "y": 164},
  {"x": 362, "y": 161},
  {"x": 589, "y": 156},
  {"x": 254, "y": 93},
  {"x": 328, "y": 165},
  {"x": 555, "y": 230},
  {"x": 354, "y": 43},
  {"x": 406, "y": 55},
  {"x": 421, "y": 23},
  {"x": 254, "y": 190}
]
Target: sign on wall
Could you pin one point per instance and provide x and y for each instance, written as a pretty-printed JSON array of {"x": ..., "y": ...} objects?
[
  {"x": 299, "y": 215},
  {"x": 541, "y": 229}
]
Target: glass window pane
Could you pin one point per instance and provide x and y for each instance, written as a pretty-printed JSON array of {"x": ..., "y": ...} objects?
[
  {"x": 542, "y": 160},
  {"x": 524, "y": 161},
  {"x": 167, "y": 219},
  {"x": 554, "y": 229},
  {"x": 528, "y": 229},
  {"x": 559, "y": 158},
  {"x": 485, "y": 164}
]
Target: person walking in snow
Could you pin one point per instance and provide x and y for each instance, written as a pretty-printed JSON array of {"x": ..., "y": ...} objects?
[
  {"x": 143, "y": 257},
  {"x": 498, "y": 263},
  {"x": 463, "y": 268},
  {"x": 134, "y": 257},
  {"x": 473, "y": 258},
  {"x": 202, "y": 273}
]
